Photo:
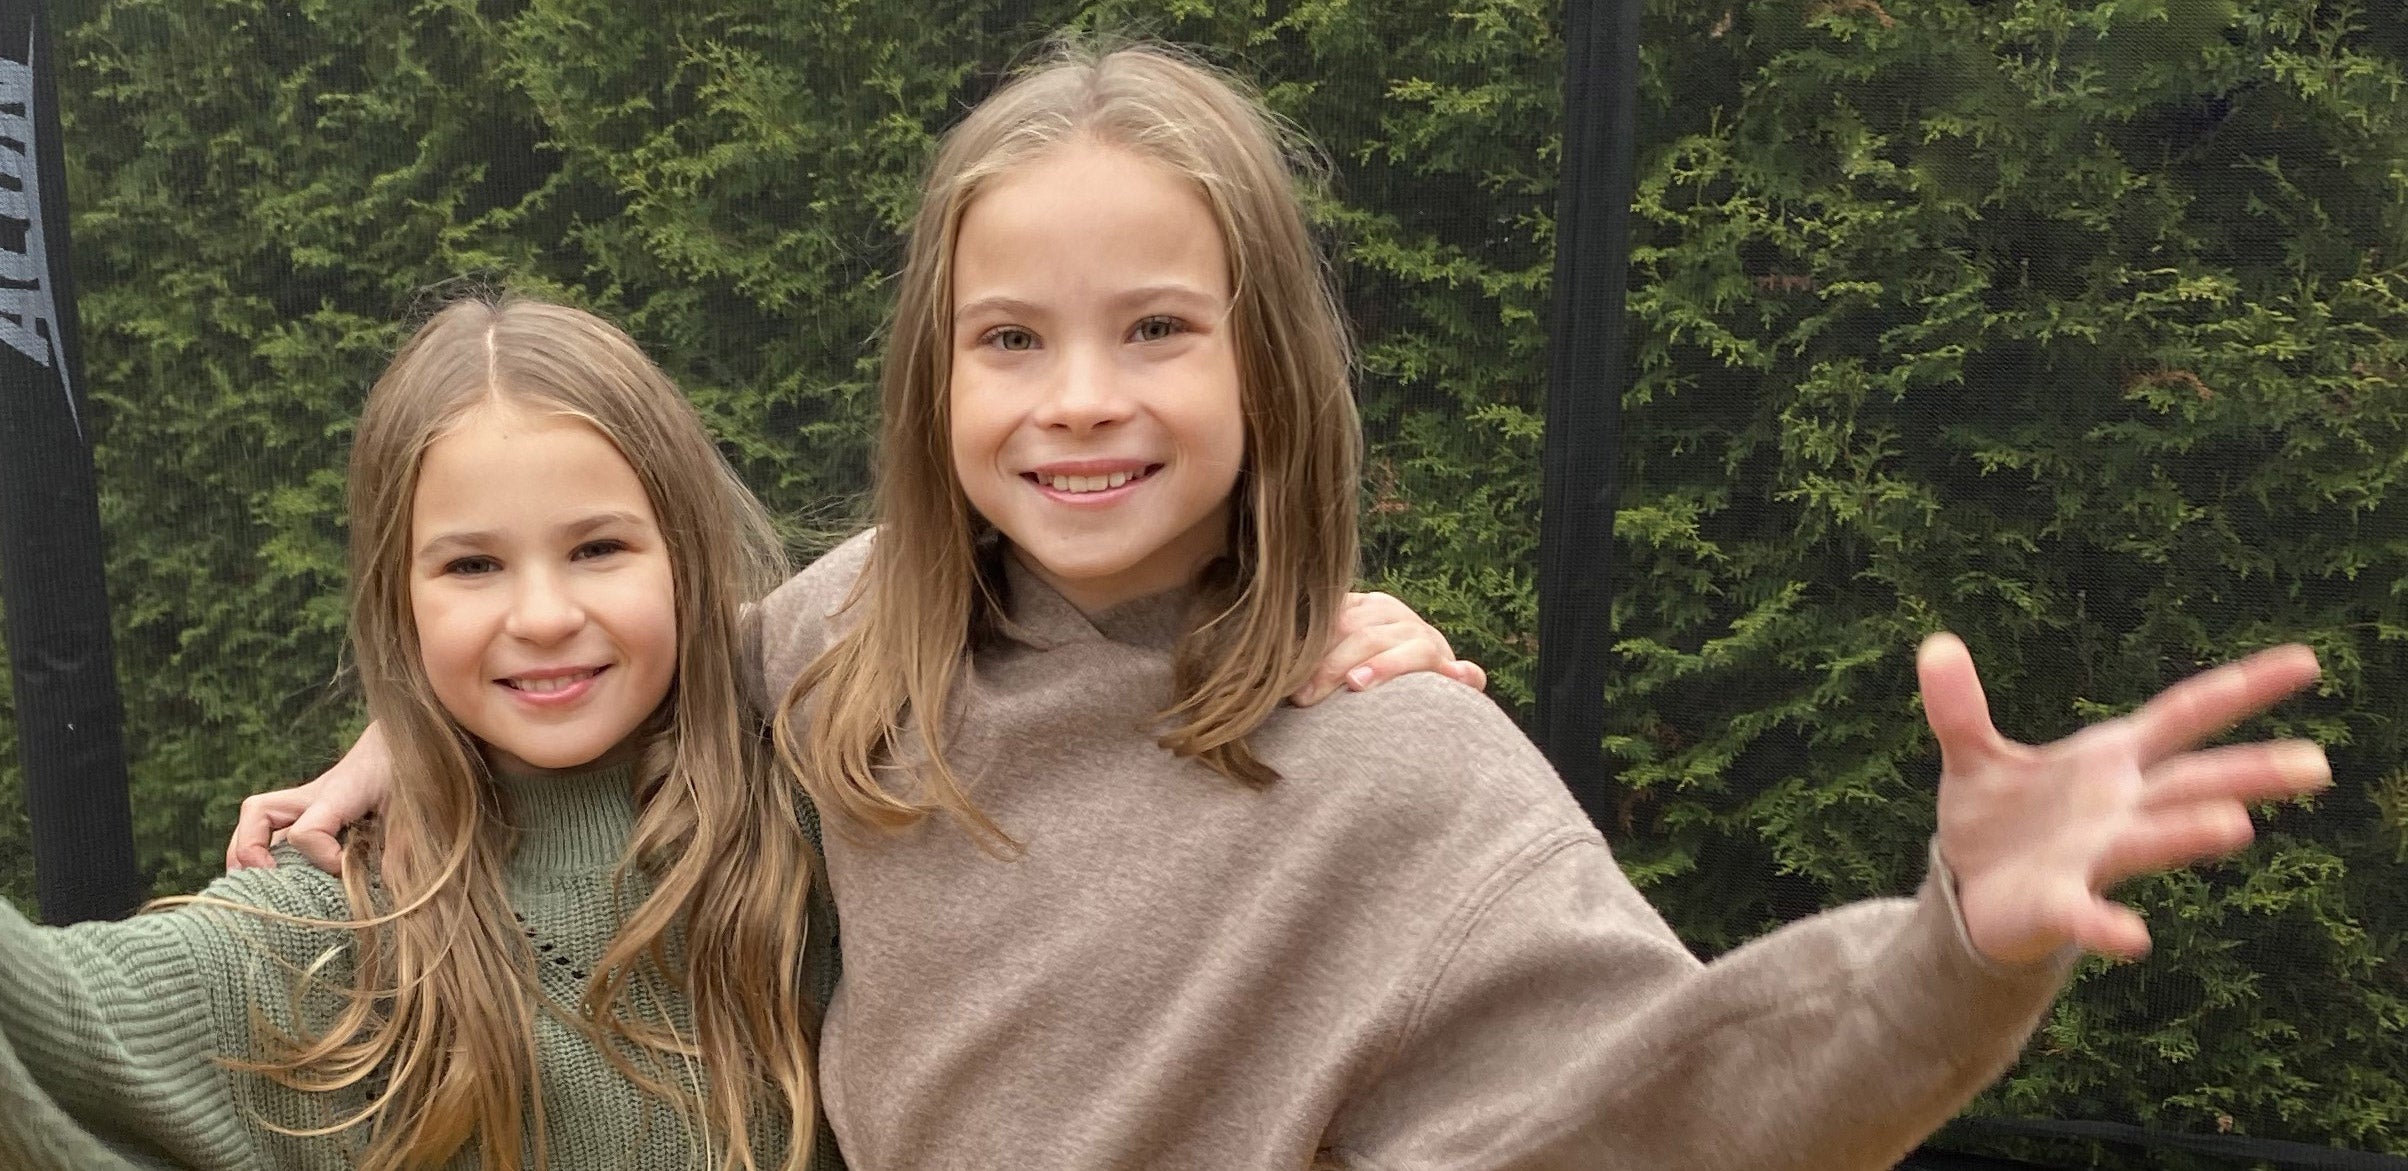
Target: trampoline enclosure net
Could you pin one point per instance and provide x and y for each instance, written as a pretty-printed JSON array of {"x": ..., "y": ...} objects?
[{"x": 2079, "y": 327}]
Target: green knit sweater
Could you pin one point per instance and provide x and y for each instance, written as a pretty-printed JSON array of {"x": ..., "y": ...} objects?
[{"x": 111, "y": 1034}]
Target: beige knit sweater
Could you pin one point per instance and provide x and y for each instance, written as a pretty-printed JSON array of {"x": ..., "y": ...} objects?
[{"x": 1414, "y": 951}]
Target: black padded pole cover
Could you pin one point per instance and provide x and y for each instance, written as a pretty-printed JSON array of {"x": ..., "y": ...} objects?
[
  {"x": 1588, "y": 352},
  {"x": 70, "y": 722}
]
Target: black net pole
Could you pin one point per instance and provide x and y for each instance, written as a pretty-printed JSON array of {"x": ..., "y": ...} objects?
[
  {"x": 70, "y": 721},
  {"x": 1588, "y": 353}
]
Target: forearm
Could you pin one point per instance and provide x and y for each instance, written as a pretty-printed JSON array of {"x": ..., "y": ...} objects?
[
  {"x": 111, "y": 1031},
  {"x": 1840, "y": 1042},
  {"x": 1569, "y": 1028},
  {"x": 37, "y": 1135}
]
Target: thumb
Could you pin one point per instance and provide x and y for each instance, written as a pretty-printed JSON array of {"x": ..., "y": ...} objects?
[
  {"x": 317, "y": 836},
  {"x": 1953, "y": 702}
]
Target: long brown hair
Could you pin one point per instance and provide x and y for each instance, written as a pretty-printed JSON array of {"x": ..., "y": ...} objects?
[
  {"x": 441, "y": 1011},
  {"x": 922, "y": 597}
]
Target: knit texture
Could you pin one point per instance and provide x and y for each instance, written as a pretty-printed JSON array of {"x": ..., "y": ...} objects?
[
  {"x": 110, "y": 1033},
  {"x": 1412, "y": 951}
]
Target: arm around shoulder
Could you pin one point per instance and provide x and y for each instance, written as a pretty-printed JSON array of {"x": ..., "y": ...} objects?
[{"x": 789, "y": 628}]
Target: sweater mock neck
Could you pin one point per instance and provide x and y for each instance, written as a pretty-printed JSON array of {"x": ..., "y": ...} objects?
[
  {"x": 572, "y": 822},
  {"x": 1036, "y": 614}
]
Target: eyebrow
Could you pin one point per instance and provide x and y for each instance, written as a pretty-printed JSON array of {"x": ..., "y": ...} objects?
[
  {"x": 470, "y": 539},
  {"x": 1007, "y": 306},
  {"x": 1015, "y": 307}
]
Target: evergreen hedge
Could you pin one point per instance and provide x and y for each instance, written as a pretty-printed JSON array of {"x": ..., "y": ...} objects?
[{"x": 2079, "y": 327}]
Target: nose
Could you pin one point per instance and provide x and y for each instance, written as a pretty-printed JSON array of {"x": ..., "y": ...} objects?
[
  {"x": 1085, "y": 391},
  {"x": 543, "y": 609}
]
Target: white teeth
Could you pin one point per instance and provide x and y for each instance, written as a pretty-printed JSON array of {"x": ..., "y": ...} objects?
[
  {"x": 549, "y": 686},
  {"x": 1089, "y": 483}
]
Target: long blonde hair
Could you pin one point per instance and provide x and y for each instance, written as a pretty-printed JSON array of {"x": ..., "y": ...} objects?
[
  {"x": 923, "y": 600},
  {"x": 444, "y": 991}
]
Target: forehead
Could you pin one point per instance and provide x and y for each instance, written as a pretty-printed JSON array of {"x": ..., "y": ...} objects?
[
  {"x": 1088, "y": 217},
  {"x": 505, "y": 466}
]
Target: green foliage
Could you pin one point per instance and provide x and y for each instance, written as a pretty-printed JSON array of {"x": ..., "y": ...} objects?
[{"x": 2077, "y": 326}]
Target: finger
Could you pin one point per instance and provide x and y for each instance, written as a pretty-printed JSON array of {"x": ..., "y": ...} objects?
[
  {"x": 2172, "y": 838},
  {"x": 1469, "y": 674},
  {"x": 1953, "y": 702},
  {"x": 321, "y": 849},
  {"x": 1366, "y": 612},
  {"x": 1351, "y": 651},
  {"x": 2212, "y": 701},
  {"x": 258, "y": 820},
  {"x": 2111, "y": 928},
  {"x": 316, "y": 834},
  {"x": 2250, "y": 773},
  {"x": 1402, "y": 659}
]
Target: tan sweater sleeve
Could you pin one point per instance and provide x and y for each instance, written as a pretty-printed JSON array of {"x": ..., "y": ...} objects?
[{"x": 1838, "y": 1042}]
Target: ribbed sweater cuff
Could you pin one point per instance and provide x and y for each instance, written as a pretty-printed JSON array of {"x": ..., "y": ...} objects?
[{"x": 1971, "y": 1004}]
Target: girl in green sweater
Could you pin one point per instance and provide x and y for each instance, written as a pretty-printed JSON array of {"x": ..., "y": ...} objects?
[{"x": 577, "y": 936}]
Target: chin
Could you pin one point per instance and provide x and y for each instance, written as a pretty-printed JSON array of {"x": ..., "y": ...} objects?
[{"x": 556, "y": 759}]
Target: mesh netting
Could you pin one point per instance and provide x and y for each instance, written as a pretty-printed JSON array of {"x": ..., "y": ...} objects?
[{"x": 2079, "y": 327}]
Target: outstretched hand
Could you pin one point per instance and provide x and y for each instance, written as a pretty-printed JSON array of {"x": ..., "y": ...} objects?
[{"x": 2037, "y": 834}]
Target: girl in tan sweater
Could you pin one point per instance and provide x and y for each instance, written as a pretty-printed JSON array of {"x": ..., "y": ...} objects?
[{"x": 1109, "y": 902}]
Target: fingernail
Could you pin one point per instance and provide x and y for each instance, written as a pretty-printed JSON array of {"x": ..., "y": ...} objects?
[
  {"x": 2302, "y": 762},
  {"x": 1360, "y": 677}
]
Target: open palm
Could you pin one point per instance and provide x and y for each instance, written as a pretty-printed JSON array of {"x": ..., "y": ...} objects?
[{"x": 2037, "y": 834}]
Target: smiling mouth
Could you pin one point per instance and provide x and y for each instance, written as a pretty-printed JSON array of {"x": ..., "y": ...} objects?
[
  {"x": 1100, "y": 483},
  {"x": 550, "y": 684}
]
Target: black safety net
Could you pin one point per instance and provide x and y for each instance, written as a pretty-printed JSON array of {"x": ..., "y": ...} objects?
[{"x": 2076, "y": 327}]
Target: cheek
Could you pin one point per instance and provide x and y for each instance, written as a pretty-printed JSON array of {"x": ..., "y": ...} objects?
[
  {"x": 427, "y": 617},
  {"x": 651, "y": 610},
  {"x": 448, "y": 649},
  {"x": 1221, "y": 418},
  {"x": 972, "y": 448}
]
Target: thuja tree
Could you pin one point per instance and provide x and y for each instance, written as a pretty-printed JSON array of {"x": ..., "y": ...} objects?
[
  {"x": 2075, "y": 328},
  {"x": 2078, "y": 328}
]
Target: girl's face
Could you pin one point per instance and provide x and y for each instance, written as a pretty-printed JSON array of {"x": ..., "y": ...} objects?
[
  {"x": 541, "y": 588},
  {"x": 1096, "y": 414}
]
